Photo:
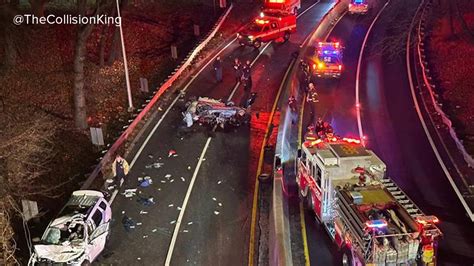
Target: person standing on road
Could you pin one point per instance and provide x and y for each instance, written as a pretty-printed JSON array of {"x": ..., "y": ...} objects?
[
  {"x": 120, "y": 169},
  {"x": 218, "y": 69},
  {"x": 238, "y": 70},
  {"x": 247, "y": 76}
]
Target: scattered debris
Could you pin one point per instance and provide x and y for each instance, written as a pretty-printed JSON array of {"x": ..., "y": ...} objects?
[
  {"x": 203, "y": 159},
  {"x": 172, "y": 222},
  {"x": 145, "y": 236},
  {"x": 150, "y": 156},
  {"x": 167, "y": 176},
  {"x": 154, "y": 230},
  {"x": 130, "y": 192},
  {"x": 160, "y": 109},
  {"x": 159, "y": 189},
  {"x": 158, "y": 165},
  {"x": 123, "y": 212},
  {"x": 172, "y": 180},
  {"x": 219, "y": 182},
  {"x": 128, "y": 223},
  {"x": 214, "y": 199},
  {"x": 182, "y": 179},
  {"x": 145, "y": 181},
  {"x": 185, "y": 231},
  {"x": 189, "y": 167},
  {"x": 138, "y": 224},
  {"x": 220, "y": 204},
  {"x": 147, "y": 201},
  {"x": 163, "y": 181},
  {"x": 143, "y": 212},
  {"x": 171, "y": 153},
  {"x": 190, "y": 223},
  {"x": 171, "y": 205},
  {"x": 139, "y": 258},
  {"x": 175, "y": 155},
  {"x": 178, "y": 208},
  {"x": 216, "y": 212}
]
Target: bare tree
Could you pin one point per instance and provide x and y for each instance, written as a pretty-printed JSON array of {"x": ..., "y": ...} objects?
[
  {"x": 83, "y": 32},
  {"x": 115, "y": 51},
  {"x": 7, "y": 12}
]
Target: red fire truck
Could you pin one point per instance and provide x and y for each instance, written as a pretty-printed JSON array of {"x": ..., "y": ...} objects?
[
  {"x": 358, "y": 7},
  {"x": 290, "y": 6},
  {"x": 327, "y": 61},
  {"x": 367, "y": 215},
  {"x": 269, "y": 26}
]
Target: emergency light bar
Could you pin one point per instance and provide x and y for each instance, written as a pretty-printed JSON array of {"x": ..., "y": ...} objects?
[
  {"x": 351, "y": 140},
  {"x": 381, "y": 223},
  {"x": 276, "y": 1},
  {"x": 261, "y": 21}
]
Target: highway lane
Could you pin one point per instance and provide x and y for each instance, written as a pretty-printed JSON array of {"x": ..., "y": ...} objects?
[
  {"x": 336, "y": 105},
  {"x": 395, "y": 133},
  {"x": 209, "y": 234}
]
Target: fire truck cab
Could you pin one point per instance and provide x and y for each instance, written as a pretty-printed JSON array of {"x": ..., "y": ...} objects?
[
  {"x": 267, "y": 27},
  {"x": 370, "y": 219},
  {"x": 290, "y": 6},
  {"x": 328, "y": 60},
  {"x": 358, "y": 7}
]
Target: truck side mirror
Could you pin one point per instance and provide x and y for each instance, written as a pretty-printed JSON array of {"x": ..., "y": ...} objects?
[
  {"x": 277, "y": 162},
  {"x": 299, "y": 154}
]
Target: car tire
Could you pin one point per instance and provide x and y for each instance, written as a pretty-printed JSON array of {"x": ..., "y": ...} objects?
[
  {"x": 257, "y": 44},
  {"x": 286, "y": 37},
  {"x": 86, "y": 263},
  {"x": 346, "y": 257},
  {"x": 295, "y": 11}
]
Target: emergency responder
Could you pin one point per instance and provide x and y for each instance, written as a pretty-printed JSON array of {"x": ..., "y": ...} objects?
[
  {"x": 319, "y": 125},
  {"x": 247, "y": 76},
  {"x": 218, "y": 69},
  {"x": 238, "y": 70},
  {"x": 327, "y": 128},
  {"x": 292, "y": 103},
  {"x": 120, "y": 169},
  {"x": 312, "y": 94}
]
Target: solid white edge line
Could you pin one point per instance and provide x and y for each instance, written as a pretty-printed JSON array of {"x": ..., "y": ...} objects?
[
  {"x": 359, "y": 63},
  {"x": 425, "y": 128},
  {"x": 307, "y": 9},
  {"x": 185, "y": 203}
]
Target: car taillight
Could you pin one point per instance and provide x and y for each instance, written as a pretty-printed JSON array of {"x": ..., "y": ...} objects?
[
  {"x": 340, "y": 67},
  {"x": 314, "y": 66},
  {"x": 350, "y": 5}
]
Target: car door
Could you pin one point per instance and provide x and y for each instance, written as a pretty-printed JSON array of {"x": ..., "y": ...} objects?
[{"x": 98, "y": 236}]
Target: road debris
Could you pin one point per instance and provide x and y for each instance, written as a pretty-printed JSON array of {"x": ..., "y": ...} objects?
[
  {"x": 130, "y": 192},
  {"x": 219, "y": 182},
  {"x": 138, "y": 224},
  {"x": 128, "y": 223},
  {"x": 220, "y": 204},
  {"x": 171, "y": 205},
  {"x": 182, "y": 179},
  {"x": 214, "y": 199},
  {"x": 158, "y": 165},
  {"x": 171, "y": 153},
  {"x": 145, "y": 181},
  {"x": 145, "y": 236},
  {"x": 167, "y": 176},
  {"x": 147, "y": 201},
  {"x": 216, "y": 212},
  {"x": 185, "y": 231},
  {"x": 139, "y": 258},
  {"x": 154, "y": 230},
  {"x": 190, "y": 223},
  {"x": 173, "y": 222},
  {"x": 178, "y": 208},
  {"x": 163, "y": 181},
  {"x": 150, "y": 156},
  {"x": 143, "y": 212},
  {"x": 172, "y": 180},
  {"x": 203, "y": 159},
  {"x": 189, "y": 167}
]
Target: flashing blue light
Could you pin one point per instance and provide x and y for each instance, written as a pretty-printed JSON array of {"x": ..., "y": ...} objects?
[
  {"x": 358, "y": 2},
  {"x": 376, "y": 223}
]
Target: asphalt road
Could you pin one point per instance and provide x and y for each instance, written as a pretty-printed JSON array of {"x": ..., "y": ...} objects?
[
  {"x": 215, "y": 225},
  {"x": 394, "y": 132}
]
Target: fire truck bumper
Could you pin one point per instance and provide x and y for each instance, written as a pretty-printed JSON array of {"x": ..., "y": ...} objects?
[
  {"x": 328, "y": 74},
  {"x": 358, "y": 9}
]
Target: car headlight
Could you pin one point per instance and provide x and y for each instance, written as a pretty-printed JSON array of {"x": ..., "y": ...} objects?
[
  {"x": 250, "y": 37},
  {"x": 238, "y": 35}
]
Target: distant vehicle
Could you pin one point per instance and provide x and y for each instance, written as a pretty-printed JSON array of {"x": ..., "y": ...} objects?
[
  {"x": 358, "y": 7},
  {"x": 368, "y": 216},
  {"x": 290, "y": 6},
  {"x": 328, "y": 60},
  {"x": 78, "y": 235},
  {"x": 269, "y": 26}
]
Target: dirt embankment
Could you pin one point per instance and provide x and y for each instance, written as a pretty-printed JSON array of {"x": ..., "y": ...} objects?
[{"x": 451, "y": 50}]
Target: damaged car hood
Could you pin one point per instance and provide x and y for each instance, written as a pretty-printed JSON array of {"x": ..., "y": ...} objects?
[{"x": 59, "y": 253}]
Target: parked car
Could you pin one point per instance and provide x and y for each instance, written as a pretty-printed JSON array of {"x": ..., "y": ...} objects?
[{"x": 79, "y": 233}]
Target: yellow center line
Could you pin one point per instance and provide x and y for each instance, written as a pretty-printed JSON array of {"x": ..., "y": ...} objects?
[{"x": 259, "y": 170}]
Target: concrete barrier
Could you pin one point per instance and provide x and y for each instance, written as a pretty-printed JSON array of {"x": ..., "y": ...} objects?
[
  {"x": 280, "y": 235},
  {"x": 108, "y": 157}
]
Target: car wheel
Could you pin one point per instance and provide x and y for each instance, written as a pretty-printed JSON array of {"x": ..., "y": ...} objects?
[
  {"x": 286, "y": 37},
  {"x": 86, "y": 263},
  {"x": 257, "y": 44},
  {"x": 346, "y": 257}
]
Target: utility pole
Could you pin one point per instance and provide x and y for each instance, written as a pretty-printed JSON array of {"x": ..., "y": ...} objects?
[{"x": 125, "y": 65}]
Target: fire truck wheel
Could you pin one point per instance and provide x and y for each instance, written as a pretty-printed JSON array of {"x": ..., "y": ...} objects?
[
  {"x": 257, "y": 44},
  {"x": 286, "y": 37},
  {"x": 346, "y": 257}
]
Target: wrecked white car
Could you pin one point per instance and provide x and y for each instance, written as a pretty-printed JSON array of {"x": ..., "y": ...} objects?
[
  {"x": 79, "y": 233},
  {"x": 214, "y": 112}
]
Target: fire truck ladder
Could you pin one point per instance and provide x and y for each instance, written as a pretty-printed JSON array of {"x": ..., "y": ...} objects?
[{"x": 402, "y": 198}]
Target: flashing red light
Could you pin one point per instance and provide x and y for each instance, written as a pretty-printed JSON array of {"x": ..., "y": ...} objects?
[
  {"x": 314, "y": 66},
  {"x": 337, "y": 45},
  {"x": 340, "y": 67},
  {"x": 376, "y": 224},
  {"x": 351, "y": 140},
  {"x": 320, "y": 44},
  {"x": 316, "y": 142}
]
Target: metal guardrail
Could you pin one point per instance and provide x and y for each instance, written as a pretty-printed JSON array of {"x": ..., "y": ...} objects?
[
  {"x": 280, "y": 235},
  {"x": 109, "y": 154}
]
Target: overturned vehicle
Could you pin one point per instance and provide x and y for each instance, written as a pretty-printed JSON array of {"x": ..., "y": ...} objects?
[
  {"x": 78, "y": 235},
  {"x": 215, "y": 113}
]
